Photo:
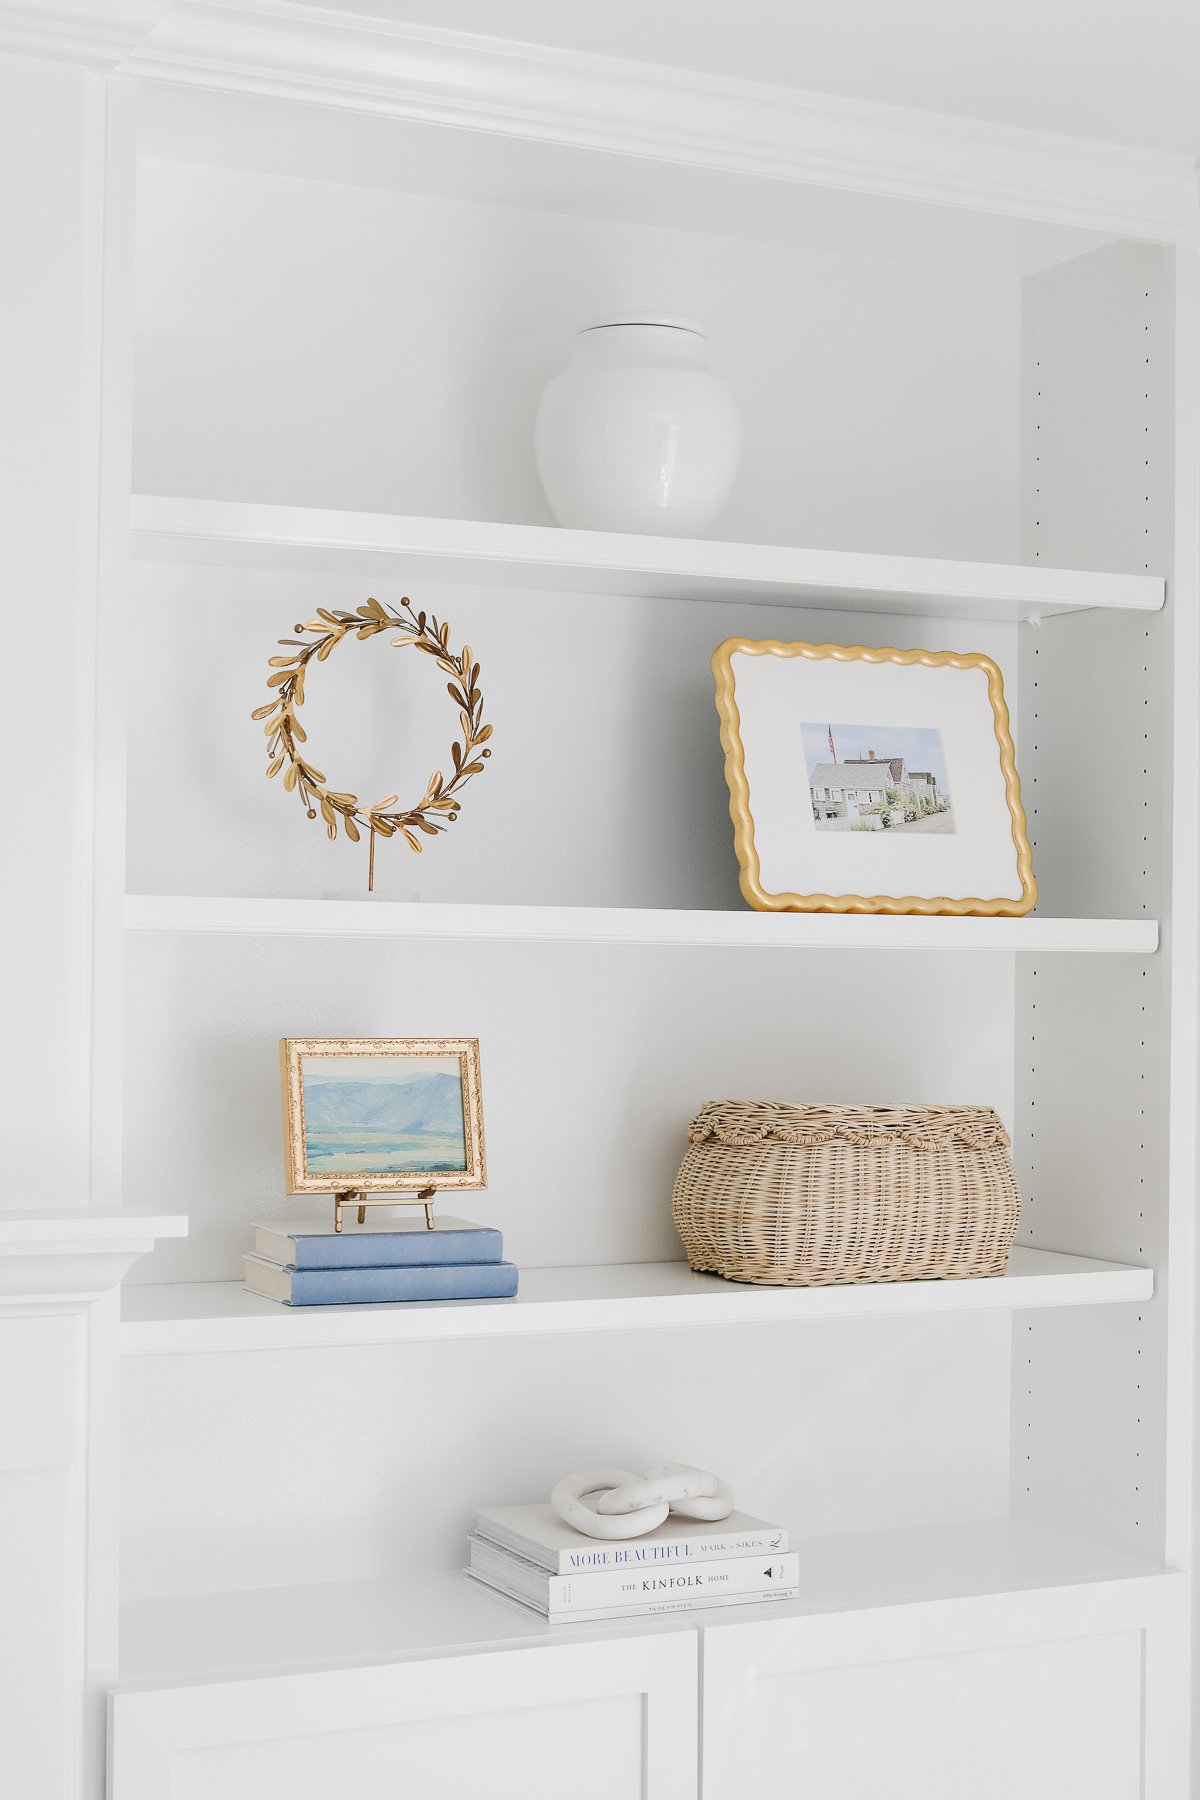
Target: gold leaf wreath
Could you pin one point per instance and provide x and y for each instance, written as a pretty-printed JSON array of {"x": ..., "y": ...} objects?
[{"x": 440, "y": 803}]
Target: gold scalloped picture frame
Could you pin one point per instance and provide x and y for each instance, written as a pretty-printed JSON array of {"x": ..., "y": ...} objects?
[{"x": 806, "y": 799}]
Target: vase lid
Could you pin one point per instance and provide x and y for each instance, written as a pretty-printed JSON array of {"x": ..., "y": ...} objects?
[{"x": 666, "y": 321}]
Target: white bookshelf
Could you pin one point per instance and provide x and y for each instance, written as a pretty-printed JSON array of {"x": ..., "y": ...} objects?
[
  {"x": 992, "y": 422},
  {"x": 314, "y": 541}
]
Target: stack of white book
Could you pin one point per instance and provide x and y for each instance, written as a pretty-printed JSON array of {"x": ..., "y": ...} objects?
[{"x": 532, "y": 1556}]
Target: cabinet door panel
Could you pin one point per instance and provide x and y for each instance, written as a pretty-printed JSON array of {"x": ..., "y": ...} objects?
[
  {"x": 614, "y": 1720},
  {"x": 1060, "y": 1692},
  {"x": 1039, "y": 1720},
  {"x": 533, "y": 1753}
]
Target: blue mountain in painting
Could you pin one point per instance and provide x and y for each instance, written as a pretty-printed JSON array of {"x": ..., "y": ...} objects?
[{"x": 428, "y": 1103}]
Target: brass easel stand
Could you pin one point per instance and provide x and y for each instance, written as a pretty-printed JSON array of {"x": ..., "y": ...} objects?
[{"x": 355, "y": 1197}]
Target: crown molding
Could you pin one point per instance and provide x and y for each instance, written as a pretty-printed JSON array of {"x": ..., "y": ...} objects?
[
  {"x": 71, "y": 1255},
  {"x": 98, "y": 37},
  {"x": 281, "y": 50}
]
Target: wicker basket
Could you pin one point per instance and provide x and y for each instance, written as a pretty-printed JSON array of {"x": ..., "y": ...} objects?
[{"x": 815, "y": 1196}]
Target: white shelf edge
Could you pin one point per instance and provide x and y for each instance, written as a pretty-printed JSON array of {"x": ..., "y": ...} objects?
[
  {"x": 208, "y": 1316},
  {"x": 632, "y": 925},
  {"x": 540, "y": 556}
]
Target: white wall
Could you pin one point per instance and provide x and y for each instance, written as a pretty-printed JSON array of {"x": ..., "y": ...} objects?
[
  {"x": 594, "y": 1061},
  {"x": 349, "y": 347},
  {"x": 606, "y": 787},
  {"x": 320, "y": 1465}
]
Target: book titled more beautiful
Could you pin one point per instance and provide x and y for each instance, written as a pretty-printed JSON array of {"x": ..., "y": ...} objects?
[{"x": 537, "y": 1533}]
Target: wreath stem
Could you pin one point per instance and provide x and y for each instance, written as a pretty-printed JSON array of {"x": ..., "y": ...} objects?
[{"x": 371, "y": 865}]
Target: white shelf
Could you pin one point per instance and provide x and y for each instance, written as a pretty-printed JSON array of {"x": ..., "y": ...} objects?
[
  {"x": 633, "y": 925},
  {"x": 273, "y": 1631},
  {"x": 537, "y": 556},
  {"x": 222, "y": 1315}
]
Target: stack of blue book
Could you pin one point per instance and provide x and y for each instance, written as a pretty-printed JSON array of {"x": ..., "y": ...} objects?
[{"x": 303, "y": 1263}]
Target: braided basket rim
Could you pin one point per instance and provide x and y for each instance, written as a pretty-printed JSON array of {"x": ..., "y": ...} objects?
[{"x": 741, "y": 1123}]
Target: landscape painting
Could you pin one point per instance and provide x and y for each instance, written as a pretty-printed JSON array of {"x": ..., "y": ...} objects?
[
  {"x": 382, "y": 1115},
  {"x": 878, "y": 778}
]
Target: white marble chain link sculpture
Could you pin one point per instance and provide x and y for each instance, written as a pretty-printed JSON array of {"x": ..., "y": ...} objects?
[{"x": 616, "y": 1503}]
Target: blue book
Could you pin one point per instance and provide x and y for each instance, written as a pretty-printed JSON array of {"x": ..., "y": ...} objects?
[
  {"x": 353, "y": 1287},
  {"x": 379, "y": 1244}
]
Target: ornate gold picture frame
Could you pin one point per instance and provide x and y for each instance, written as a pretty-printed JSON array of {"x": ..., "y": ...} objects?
[
  {"x": 381, "y": 1121},
  {"x": 866, "y": 780}
]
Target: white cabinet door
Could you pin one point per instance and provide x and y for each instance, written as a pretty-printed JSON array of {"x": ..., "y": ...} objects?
[
  {"x": 613, "y": 1720},
  {"x": 1000, "y": 1699}
]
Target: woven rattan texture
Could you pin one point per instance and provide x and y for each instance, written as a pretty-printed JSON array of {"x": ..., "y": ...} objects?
[{"x": 818, "y": 1196}]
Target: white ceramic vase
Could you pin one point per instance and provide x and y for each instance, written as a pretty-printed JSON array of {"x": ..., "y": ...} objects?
[{"x": 638, "y": 433}]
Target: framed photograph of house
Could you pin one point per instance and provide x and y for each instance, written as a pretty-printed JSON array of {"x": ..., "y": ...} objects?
[
  {"x": 864, "y": 780},
  {"x": 384, "y": 1119}
]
